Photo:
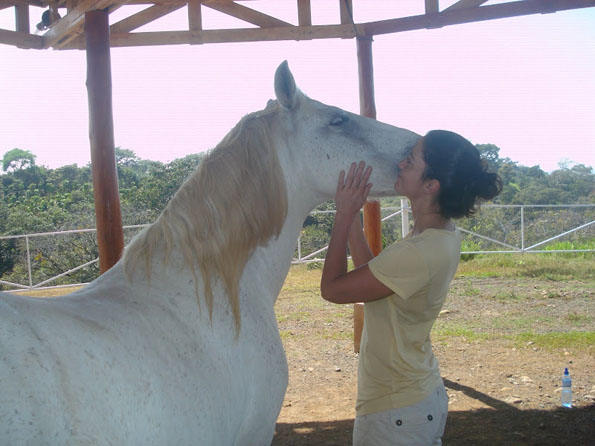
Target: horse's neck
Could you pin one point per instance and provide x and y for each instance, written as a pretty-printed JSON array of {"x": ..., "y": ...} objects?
[
  {"x": 271, "y": 263},
  {"x": 268, "y": 265}
]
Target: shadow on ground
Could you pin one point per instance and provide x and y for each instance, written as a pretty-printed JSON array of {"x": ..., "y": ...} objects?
[{"x": 500, "y": 424}]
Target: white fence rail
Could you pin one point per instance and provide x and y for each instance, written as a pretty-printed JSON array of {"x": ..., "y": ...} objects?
[
  {"x": 504, "y": 248},
  {"x": 508, "y": 224}
]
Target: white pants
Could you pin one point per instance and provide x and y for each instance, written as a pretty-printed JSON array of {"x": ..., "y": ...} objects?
[{"x": 421, "y": 424}]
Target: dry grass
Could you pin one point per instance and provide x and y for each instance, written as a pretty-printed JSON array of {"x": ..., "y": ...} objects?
[{"x": 48, "y": 292}]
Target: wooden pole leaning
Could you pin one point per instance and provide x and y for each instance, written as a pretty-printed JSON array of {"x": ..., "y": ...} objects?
[
  {"x": 110, "y": 237},
  {"x": 372, "y": 220}
]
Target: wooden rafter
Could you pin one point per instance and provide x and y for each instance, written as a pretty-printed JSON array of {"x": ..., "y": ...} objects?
[
  {"x": 69, "y": 26},
  {"x": 20, "y": 39},
  {"x": 304, "y": 13},
  {"x": 194, "y": 15},
  {"x": 246, "y": 14},
  {"x": 466, "y": 4},
  {"x": 22, "y": 18},
  {"x": 468, "y": 15},
  {"x": 7, "y": 4},
  {"x": 66, "y": 32},
  {"x": 346, "y": 11},
  {"x": 431, "y": 6},
  {"x": 233, "y": 35},
  {"x": 142, "y": 18},
  {"x": 423, "y": 21}
]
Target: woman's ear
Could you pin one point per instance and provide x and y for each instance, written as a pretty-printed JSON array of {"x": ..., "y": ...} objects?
[{"x": 432, "y": 186}]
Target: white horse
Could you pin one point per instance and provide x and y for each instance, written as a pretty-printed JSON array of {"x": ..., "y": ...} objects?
[{"x": 133, "y": 358}]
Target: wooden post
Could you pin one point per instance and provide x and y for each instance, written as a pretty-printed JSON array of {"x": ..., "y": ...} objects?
[
  {"x": 346, "y": 8},
  {"x": 110, "y": 238},
  {"x": 194, "y": 15},
  {"x": 21, "y": 16},
  {"x": 372, "y": 223},
  {"x": 304, "y": 13}
]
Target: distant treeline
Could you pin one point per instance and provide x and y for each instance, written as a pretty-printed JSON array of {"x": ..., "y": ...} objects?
[{"x": 36, "y": 199}]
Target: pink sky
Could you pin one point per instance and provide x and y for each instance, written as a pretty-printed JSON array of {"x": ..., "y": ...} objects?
[{"x": 524, "y": 84}]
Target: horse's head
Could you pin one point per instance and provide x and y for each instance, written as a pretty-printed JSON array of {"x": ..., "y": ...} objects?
[
  {"x": 322, "y": 140},
  {"x": 239, "y": 197}
]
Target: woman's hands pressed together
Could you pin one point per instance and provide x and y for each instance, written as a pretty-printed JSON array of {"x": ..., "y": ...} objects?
[
  {"x": 337, "y": 285},
  {"x": 352, "y": 190}
]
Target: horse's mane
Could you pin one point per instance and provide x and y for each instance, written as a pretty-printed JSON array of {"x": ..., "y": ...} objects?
[{"x": 235, "y": 201}]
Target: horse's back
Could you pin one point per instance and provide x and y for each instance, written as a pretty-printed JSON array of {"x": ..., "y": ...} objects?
[
  {"x": 89, "y": 369},
  {"x": 32, "y": 406}
]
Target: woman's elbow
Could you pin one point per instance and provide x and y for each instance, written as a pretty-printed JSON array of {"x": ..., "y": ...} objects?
[
  {"x": 329, "y": 293},
  {"x": 324, "y": 292}
]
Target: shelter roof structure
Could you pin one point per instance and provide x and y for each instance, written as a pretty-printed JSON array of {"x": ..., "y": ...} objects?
[{"x": 59, "y": 24}]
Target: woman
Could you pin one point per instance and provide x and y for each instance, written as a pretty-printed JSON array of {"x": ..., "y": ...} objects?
[{"x": 401, "y": 397}]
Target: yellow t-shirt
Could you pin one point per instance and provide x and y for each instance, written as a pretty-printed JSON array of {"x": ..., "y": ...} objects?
[{"x": 397, "y": 367}]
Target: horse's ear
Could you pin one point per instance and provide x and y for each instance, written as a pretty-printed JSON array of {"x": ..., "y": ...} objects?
[{"x": 285, "y": 88}]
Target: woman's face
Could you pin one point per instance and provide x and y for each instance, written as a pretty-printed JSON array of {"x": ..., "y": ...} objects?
[{"x": 411, "y": 176}]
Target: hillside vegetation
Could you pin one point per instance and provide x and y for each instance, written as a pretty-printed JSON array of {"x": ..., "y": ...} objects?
[{"x": 35, "y": 199}]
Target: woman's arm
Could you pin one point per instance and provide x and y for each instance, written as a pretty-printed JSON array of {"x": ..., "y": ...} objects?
[
  {"x": 358, "y": 245},
  {"x": 337, "y": 285}
]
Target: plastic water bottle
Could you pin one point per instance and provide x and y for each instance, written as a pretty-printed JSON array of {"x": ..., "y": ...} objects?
[{"x": 566, "y": 389}]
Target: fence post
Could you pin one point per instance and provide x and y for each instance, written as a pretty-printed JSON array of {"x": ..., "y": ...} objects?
[
  {"x": 522, "y": 229},
  {"x": 404, "y": 217},
  {"x": 29, "y": 262}
]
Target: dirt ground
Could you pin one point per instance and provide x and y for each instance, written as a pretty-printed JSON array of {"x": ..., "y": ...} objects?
[{"x": 503, "y": 385}]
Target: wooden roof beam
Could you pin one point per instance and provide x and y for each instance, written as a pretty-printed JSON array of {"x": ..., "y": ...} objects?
[
  {"x": 9, "y": 3},
  {"x": 194, "y": 15},
  {"x": 171, "y": 2},
  {"x": 21, "y": 17},
  {"x": 246, "y": 14},
  {"x": 21, "y": 40},
  {"x": 423, "y": 21},
  {"x": 235, "y": 35},
  {"x": 142, "y": 18},
  {"x": 468, "y": 15},
  {"x": 465, "y": 4},
  {"x": 346, "y": 11},
  {"x": 432, "y": 6},
  {"x": 304, "y": 13},
  {"x": 70, "y": 26}
]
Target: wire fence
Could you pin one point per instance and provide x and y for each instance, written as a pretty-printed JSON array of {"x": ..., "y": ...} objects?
[
  {"x": 65, "y": 258},
  {"x": 500, "y": 229}
]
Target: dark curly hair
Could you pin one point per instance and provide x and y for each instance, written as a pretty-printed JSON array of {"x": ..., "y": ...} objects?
[{"x": 462, "y": 174}]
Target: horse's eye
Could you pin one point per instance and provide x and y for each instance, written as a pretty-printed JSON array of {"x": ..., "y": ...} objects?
[{"x": 338, "y": 120}]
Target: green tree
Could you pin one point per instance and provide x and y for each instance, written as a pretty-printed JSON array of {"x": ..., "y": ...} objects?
[
  {"x": 578, "y": 183},
  {"x": 7, "y": 247},
  {"x": 490, "y": 152},
  {"x": 17, "y": 159},
  {"x": 125, "y": 157}
]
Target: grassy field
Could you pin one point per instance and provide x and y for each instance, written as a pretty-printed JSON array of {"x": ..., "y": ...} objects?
[
  {"x": 510, "y": 325},
  {"x": 561, "y": 278},
  {"x": 556, "y": 267},
  {"x": 565, "y": 282}
]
